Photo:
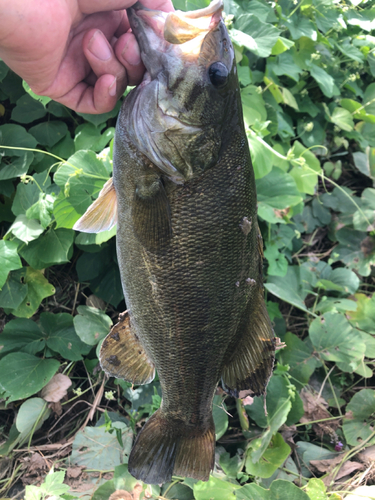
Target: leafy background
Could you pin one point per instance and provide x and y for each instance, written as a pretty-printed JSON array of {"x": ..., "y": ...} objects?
[{"x": 306, "y": 71}]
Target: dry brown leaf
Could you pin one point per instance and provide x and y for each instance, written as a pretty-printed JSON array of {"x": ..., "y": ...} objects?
[
  {"x": 94, "y": 301},
  {"x": 137, "y": 490},
  {"x": 315, "y": 409},
  {"x": 37, "y": 463},
  {"x": 56, "y": 408},
  {"x": 288, "y": 433},
  {"x": 56, "y": 388},
  {"x": 328, "y": 465},
  {"x": 367, "y": 455},
  {"x": 121, "y": 495},
  {"x": 74, "y": 472}
]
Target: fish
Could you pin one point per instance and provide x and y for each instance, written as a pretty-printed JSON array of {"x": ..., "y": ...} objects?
[{"x": 189, "y": 247}]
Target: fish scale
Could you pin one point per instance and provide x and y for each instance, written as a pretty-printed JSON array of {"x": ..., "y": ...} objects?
[{"x": 188, "y": 243}]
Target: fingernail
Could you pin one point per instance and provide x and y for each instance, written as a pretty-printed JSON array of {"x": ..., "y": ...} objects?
[
  {"x": 132, "y": 54},
  {"x": 99, "y": 46},
  {"x": 112, "y": 88}
]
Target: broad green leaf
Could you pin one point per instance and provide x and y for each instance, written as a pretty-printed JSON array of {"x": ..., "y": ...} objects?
[
  {"x": 343, "y": 119},
  {"x": 324, "y": 80},
  {"x": 28, "y": 110},
  {"x": 305, "y": 178},
  {"x": 231, "y": 465},
  {"x": 292, "y": 287},
  {"x": 300, "y": 26},
  {"x": 41, "y": 98},
  {"x": 255, "y": 35},
  {"x": 336, "y": 340},
  {"x": 28, "y": 194},
  {"x": 49, "y": 133},
  {"x": 364, "y": 316},
  {"x": 95, "y": 448},
  {"x": 284, "y": 65},
  {"x": 31, "y": 412},
  {"x": 252, "y": 491},
  {"x": 53, "y": 247},
  {"x": 91, "y": 325},
  {"x": 307, "y": 452},
  {"x": 368, "y": 99},
  {"x": 274, "y": 456},
  {"x": 215, "y": 488},
  {"x": 15, "y": 135},
  {"x": 365, "y": 162},
  {"x": 356, "y": 249},
  {"x": 282, "y": 489},
  {"x": 26, "y": 229},
  {"x": 11, "y": 168},
  {"x": 299, "y": 356},
  {"x": 89, "y": 137},
  {"x": 261, "y": 157},
  {"x": 9, "y": 259},
  {"x": 357, "y": 424},
  {"x": 357, "y": 110},
  {"x": 21, "y": 335},
  {"x": 253, "y": 106},
  {"x": 277, "y": 263},
  {"x": 65, "y": 214},
  {"x": 42, "y": 209},
  {"x": 38, "y": 289},
  {"x": 53, "y": 483},
  {"x": 220, "y": 417},
  {"x": 316, "y": 490},
  {"x": 61, "y": 336},
  {"x": 22, "y": 374},
  {"x": 281, "y": 46},
  {"x": 278, "y": 190},
  {"x": 14, "y": 290}
]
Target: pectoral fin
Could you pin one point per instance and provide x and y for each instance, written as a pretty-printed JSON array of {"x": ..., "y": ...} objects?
[
  {"x": 251, "y": 362},
  {"x": 151, "y": 215},
  {"x": 123, "y": 356},
  {"x": 102, "y": 214}
]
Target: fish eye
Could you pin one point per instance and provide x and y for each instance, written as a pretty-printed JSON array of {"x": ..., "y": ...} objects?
[{"x": 218, "y": 74}]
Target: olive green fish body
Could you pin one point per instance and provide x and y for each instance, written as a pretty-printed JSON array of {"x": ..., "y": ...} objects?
[{"x": 188, "y": 243}]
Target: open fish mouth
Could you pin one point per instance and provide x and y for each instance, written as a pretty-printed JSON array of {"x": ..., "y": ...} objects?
[{"x": 158, "y": 29}]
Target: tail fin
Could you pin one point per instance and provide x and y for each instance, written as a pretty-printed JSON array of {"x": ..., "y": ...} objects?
[{"x": 165, "y": 447}]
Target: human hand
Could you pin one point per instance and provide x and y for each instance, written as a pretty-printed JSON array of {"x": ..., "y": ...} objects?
[{"x": 78, "y": 52}]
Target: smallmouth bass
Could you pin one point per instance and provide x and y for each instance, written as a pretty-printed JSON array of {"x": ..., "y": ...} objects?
[{"x": 188, "y": 242}]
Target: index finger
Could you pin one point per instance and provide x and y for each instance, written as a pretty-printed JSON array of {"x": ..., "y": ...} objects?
[{"x": 92, "y": 6}]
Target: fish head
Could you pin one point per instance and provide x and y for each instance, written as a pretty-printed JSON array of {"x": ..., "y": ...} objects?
[{"x": 189, "y": 90}]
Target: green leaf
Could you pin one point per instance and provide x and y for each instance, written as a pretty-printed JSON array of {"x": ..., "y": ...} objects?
[
  {"x": 253, "y": 105},
  {"x": 38, "y": 288},
  {"x": 21, "y": 335},
  {"x": 284, "y": 65},
  {"x": 41, "y": 98},
  {"x": 28, "y": 110},
  {"x": 316, "y": 490},
  {"x": 261, "y": 157},
  {"x": 299, "y": 356},
  {"x": 22, "y": 374},
  {"x": 365, "y": 162},
  {"x": 278, "y": 190},
  {"x": 300, "y": 26},
  {"x": 28, "y": 194},
  {"x": 14, "y": 290},
  {"x": 305, "y": 179},
  {"x": 61, "y": 336},
  {"x": 255, "y": 35},
  {"x": 26, "y": 229},
  {"x": 49, "y": 133},
  {"x": 53, "y": 247},
  {"x": 53, "y": 483},
  {"x": 91, "y": 325},
  {"x": 324, "y": 80},
  {"x": 357, "y": 424},
  {"x": 42, "y": 209},
  {"x": 274, "y": 456},
  {"x": 277, "y": 263},
  {"x": 17, "y": 167},
  {"x": 9, "y": 259},
  {"x": 343, "y": 119},
  {"x": 356, "y": 249},
  {"x": 281, "y": 46},
  {"x": 215, "y": 488},
  {"x": 30, "y": 413},
  {"x": 95, "y": 448},
  {"x": 292, "y": 287},
  {"x": 104, "y": 117},
  {"x": 220, "y": 417},
  {"x": 364, "y": 316},
  {"x": 15, "y": 135},
  {"x": 357, "y": 111},
  {"x": 336, "y": 340},
  {"x": 368, "y": 99},
  {"x": 89, "y": 137}
]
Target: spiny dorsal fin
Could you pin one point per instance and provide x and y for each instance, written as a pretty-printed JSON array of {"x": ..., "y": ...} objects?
[{"x": 102, "y": 214}]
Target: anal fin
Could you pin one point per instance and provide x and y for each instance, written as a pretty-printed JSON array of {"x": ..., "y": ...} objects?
[
  {"x": 102, "y": 214},
  {"x": 251, "y": 362},
  {"x": 123, "y": 356},
  {"x": 151, "y": 214}
]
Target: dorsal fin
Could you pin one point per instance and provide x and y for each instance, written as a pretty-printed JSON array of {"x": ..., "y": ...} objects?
[{"x": 102, "y": 214}]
